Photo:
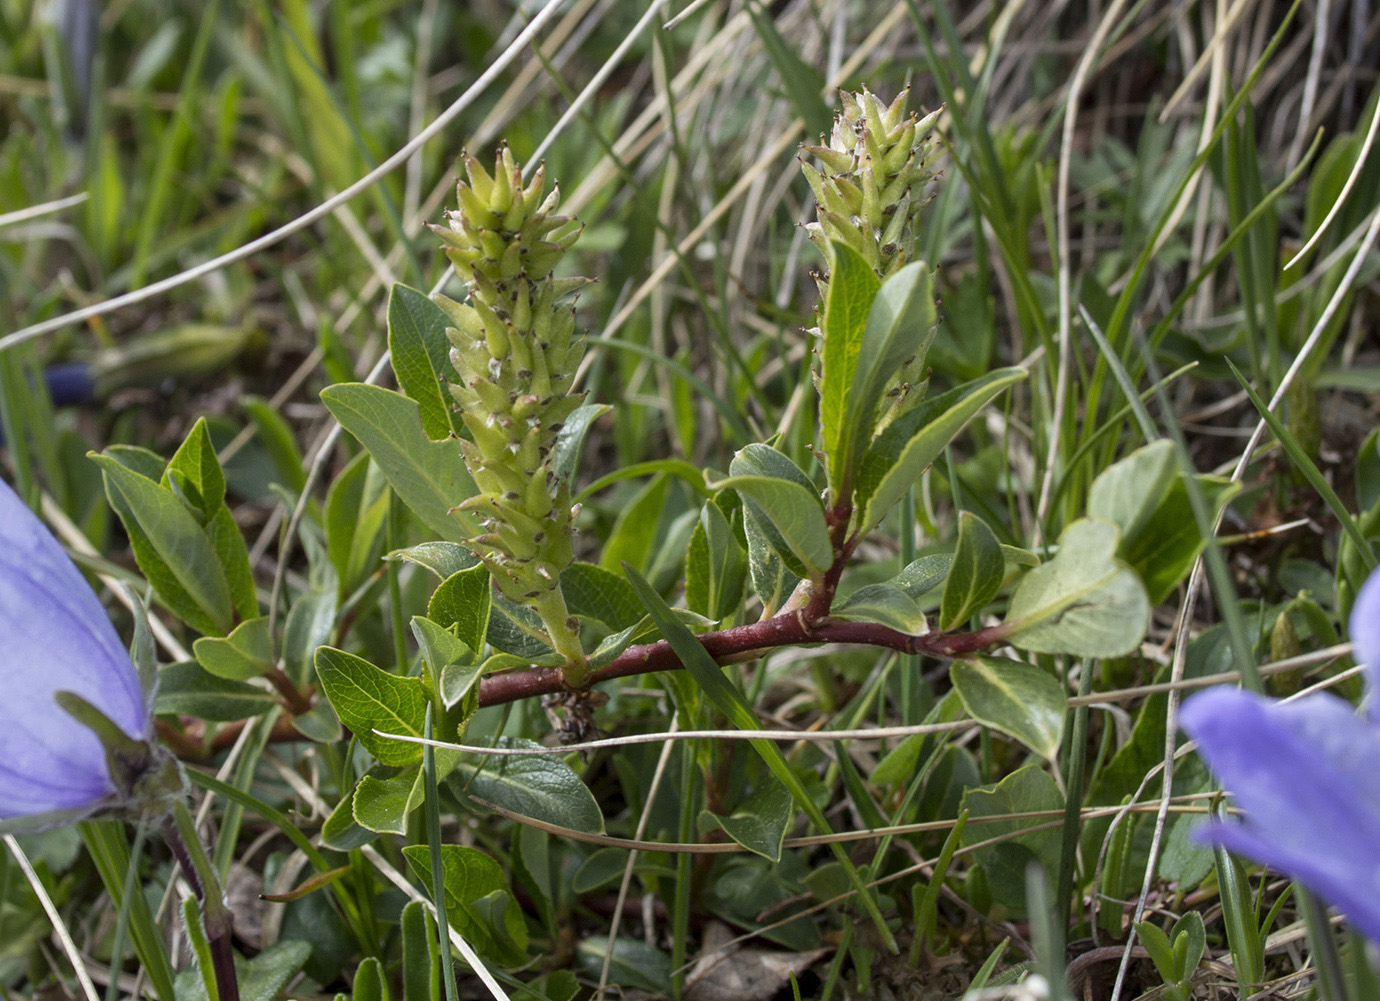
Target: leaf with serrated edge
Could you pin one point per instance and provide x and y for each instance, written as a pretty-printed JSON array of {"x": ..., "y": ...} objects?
[
  {"x": 1020, "y": 700},
  {"x": 517, "y": 629},
  {"x": 908, "y": 447},
  {"x": 1084, "y": 601},
  {"x": 368, "y": 699},
  {"x": 429, "y": 476},
  {"x": 976, "y": 574}
]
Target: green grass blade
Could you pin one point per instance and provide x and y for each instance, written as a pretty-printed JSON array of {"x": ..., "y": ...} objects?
[
  {"x": 804, "y": 85},
  {"x": 105, "y": 842},
  {"x": 438, "y": 877}
]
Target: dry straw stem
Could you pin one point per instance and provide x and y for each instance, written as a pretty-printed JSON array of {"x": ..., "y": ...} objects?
[
  {"x": 246, "y": 250},
  {"x": 1192, "y": 803},
  {"x": 64, "y": 937},
  {"x": 190, "y": 744},
  {"x": 1317, "y": 660}
]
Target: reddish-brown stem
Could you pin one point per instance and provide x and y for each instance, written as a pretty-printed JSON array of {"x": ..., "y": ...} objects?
[
  {"x": 822, "y": 594},
  {"x": 786, "y": 629},
  {"x": 296, "y": 701},
  {"x": 805, "y": 619},
  {"x": 790, "y": 628},
  {"x": 216, "y": 919}
]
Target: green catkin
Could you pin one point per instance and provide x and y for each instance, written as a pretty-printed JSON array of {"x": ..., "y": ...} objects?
[
  {"x": 869, "y": 195},
  {"x": 515, "y": 351}
]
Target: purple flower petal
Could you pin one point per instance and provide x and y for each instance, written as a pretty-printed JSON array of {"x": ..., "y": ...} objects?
[
  {"x": 1365, "y": 630},
  {"x": 1307, "y": 776},
  {"x": 54, "y": 636}
]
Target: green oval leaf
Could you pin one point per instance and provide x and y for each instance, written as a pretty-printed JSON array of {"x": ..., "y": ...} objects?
[
  {"x": 1084, "y": 601},
  {"x": 898, "y": 325},
  {"x": 761, "y": 822},
  {"x": 194, "y": 472},
  {"x": 467, "y": 873},
  {"x": 715, "y": 565},
  {"x": 382, "y": 804},
  {"x": 852, "y": 287},
  {"x": 441, "y": 558},
  {"x": 598, "y": 593},
  {"x": 420, "y": 353},
  {"x": 884, "y": 604},
  {"x": 796, "y": 516},
  {"x": 976, "y": 574},
  {"x": 1127, "y": 492},
  {"x": 902, "y": 453},
  {"x": 763, "y": 461},
  {"x": 188, "y": 689},
  {"x": 172, "y": 550},
  {"x": 1029, "y": 789},
  {"x": 538, "y": 786},
  {"x": 452, "y": 660},
  {"x": 570, "y": 439},
  {"x": 429, "y": 476},
  {"x": 463, "y": 601},
  {"x": 246, "y": 653},
  {"x": 1020, "y": 700},
  {"x": 368, "y": 699}
]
